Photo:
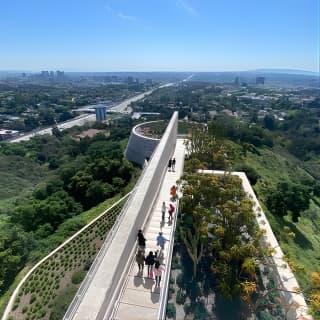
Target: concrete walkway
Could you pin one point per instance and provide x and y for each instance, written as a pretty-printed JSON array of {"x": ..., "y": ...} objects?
[{"x": 140, "y": 298}]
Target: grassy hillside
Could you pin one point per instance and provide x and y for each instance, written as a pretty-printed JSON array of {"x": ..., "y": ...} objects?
[{"x": 273, "y": 166}]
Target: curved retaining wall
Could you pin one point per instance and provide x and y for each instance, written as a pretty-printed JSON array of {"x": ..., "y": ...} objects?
[
  {"x": 140, "y": 147},
  {"x": 104, "y": 286}
]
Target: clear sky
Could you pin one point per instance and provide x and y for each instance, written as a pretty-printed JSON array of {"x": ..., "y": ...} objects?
[{"x": 159, "y": 35}]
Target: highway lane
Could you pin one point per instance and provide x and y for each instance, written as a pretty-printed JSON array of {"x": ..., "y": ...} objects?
[
  {"x": 122, "y": 107},
  {"x": 78, "y": 121}
]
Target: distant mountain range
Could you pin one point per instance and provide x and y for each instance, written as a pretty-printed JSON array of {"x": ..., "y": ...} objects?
[
  {"x": 286, "y": 71},
  {"x": 262, "y": 70}
]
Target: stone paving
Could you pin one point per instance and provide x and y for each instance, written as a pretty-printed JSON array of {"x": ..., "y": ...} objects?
[{"x": 140, "y": 297}]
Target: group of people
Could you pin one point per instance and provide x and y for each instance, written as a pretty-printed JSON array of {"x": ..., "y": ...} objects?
[
  {"x": 172, "y": 164},
  {"x": 153, "y": 261}
]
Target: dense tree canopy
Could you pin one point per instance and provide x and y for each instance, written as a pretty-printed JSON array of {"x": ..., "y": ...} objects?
[
  {"x": 218, "y": 225},
  {"x": 289, "y": 197},
  {"x": 78, "y": 176}
]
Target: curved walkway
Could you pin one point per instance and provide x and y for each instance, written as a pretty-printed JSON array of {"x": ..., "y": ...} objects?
[{"x": 139, "y": 298}]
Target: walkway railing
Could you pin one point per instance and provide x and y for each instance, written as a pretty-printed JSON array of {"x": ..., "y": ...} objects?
[
  {"x": 90, "y": 274},
  {"x": 166, "y": 278},
  {"x": 52, "y": 253}
]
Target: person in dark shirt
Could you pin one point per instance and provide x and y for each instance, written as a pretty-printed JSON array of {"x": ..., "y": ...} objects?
[
  {"x": 150, "y": 262},
  {"x": 141, "y": 240},
  {"x": 173, "y": 164},
  {"x": 170, "y": 164}
]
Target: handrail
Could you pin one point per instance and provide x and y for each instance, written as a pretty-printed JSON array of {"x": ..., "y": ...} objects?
[
  {"x": 164, "y": 293},
  {"x": 132, "y": 256},
  {"x": 166, "y": 278},
  {"x": 15, "y": 292},
  {"x": 87, "y": 280}
]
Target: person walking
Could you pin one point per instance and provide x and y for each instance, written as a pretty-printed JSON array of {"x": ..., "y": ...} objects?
[
  {"x": 171, "y": 211},
  {"x": 158, "y": 269},
  {"x": 173, "y": 164},
  {"x": 161, "y": 240},
  {"x": 170, "y": 164},
  {"x": 163, "y": 211},
  {"x": 141, "y": 240},
  {"x": 150, "y": 262},
  {"x": 140, "y": 258},
  {"x": 173, "y": 192}
]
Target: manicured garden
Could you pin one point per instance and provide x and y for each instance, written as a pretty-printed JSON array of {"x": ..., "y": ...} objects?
[{"x": 50, "y": 288}]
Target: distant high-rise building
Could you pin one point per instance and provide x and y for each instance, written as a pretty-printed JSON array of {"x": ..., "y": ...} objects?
[
  {"x": 100, "y": 112},
  {"x": 236, "y": 81},
  {"x": 44, "y": 74},
  {"x": 60, "y": 74},
  {"x": 130, "y": 80},
  {"x": 51, "y": 74},
  {"x": 260, "y": 80}
]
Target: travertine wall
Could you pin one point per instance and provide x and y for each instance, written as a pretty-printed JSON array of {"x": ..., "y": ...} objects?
[{"x": 140, "y": 147}]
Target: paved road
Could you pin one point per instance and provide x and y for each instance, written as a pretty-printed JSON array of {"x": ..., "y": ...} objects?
[
  {"x": 78, "y": 121},
  {"x": 123, "y": 107}
]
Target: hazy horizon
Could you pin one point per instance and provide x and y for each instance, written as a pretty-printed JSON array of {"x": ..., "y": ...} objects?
[{"x": 260, "y": 70}]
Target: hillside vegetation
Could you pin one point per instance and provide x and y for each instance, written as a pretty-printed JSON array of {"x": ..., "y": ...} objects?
[
  {"x": 273, "y": 166},
  {"x": 51, "y": 180}
]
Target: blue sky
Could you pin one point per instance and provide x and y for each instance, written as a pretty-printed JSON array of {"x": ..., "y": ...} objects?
[{"x": 159, "y": 35}]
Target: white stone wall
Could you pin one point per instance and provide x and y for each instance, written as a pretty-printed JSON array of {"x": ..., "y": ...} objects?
[{"x": 140, "y": 147}]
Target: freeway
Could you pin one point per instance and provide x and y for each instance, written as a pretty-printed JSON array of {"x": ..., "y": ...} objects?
[
  {"x": 122, "y": 107},
  {"x": 78, "y": 121}
]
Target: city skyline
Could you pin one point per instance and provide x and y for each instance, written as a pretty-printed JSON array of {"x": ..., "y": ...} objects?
[{"x": 174, "y": 35}]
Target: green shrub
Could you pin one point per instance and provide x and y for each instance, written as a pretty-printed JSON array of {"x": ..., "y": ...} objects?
[
  {"x": 181, "y": 297},
  {"x": 41, "y": 313},
  {"x": 263, "y": 315},
  {"x": 25, "y": 309},
  {"x": 78, "y": 276},
  {"x": 175, "y": 263},
  {"x": 33, "y": 298},
  {"x": 15, "y": 305},
  {"x": 200, "y": 311},
  {"x": 62, "y": 302},
  {"x": 171, "y": 310}
]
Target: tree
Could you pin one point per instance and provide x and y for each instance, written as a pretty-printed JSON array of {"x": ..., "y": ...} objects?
[
  {"x": 288, "y": 197},
  {"x": 269, "y": 122},
  {"x": 217, "y": 215},
  {"x": 209, "y": 150},
  {"x": 15, "y": 245},
  {"x": 97, "y": 192},
  {"x": 194, "y": 246}
]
